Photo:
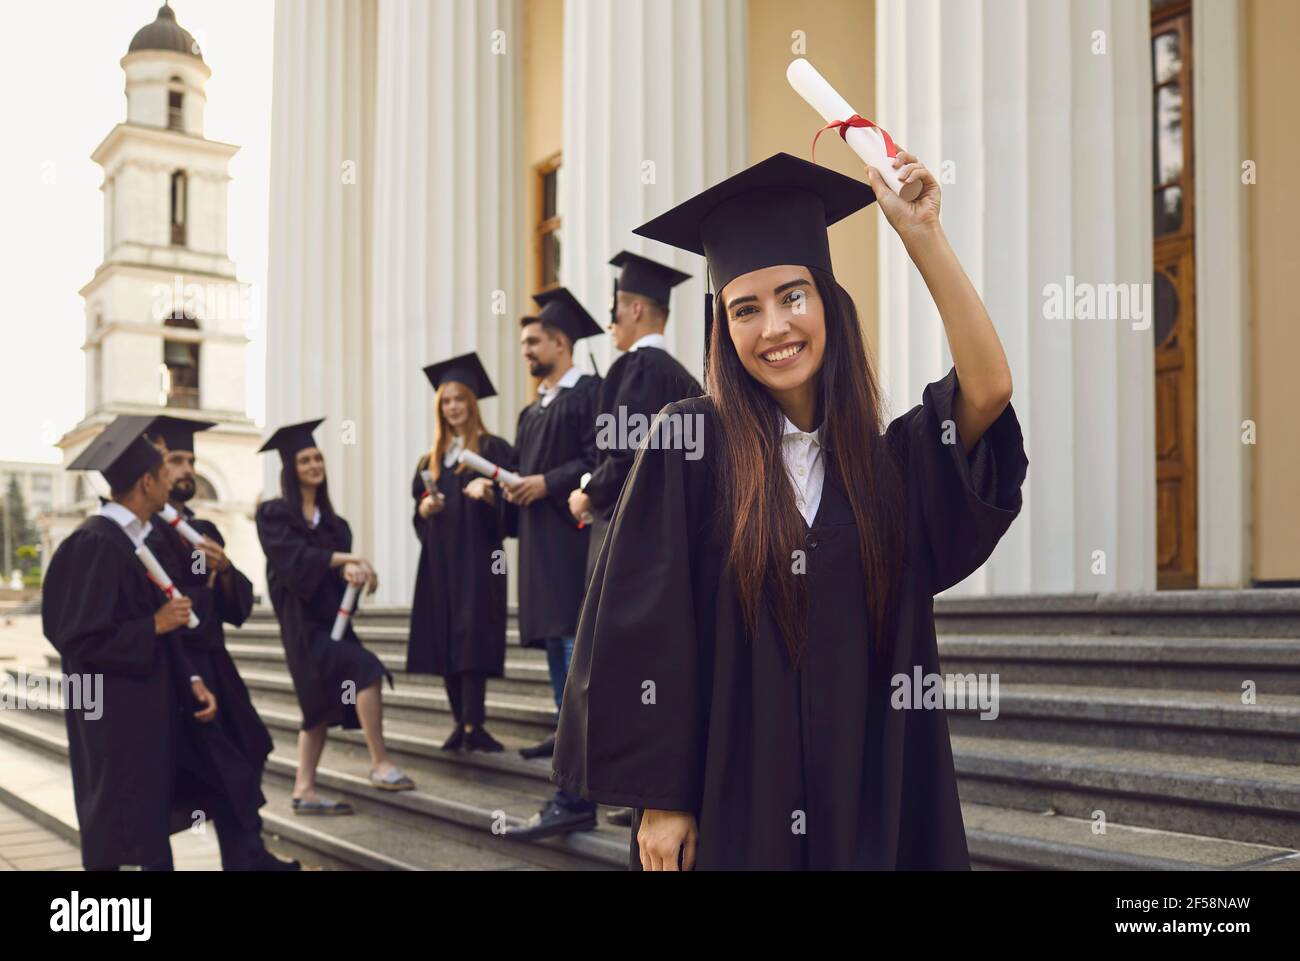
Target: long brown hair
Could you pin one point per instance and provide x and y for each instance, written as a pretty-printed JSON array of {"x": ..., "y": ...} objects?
[
  {"x": 443, "y": 434},
  {"x": 765, "y": 525}
]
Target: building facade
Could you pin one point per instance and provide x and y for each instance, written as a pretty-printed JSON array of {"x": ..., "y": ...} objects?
[
  {"x": 165, "y": 312},
  {"x": 435, "y": 164}
]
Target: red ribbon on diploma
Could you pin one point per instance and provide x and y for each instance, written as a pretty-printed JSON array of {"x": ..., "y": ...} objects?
[
  {"x": 170, "y": 591},
  {"x": 843, "y": 126}
]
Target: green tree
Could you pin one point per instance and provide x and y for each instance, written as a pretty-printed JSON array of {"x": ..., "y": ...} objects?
[{"x": 17, "y": 532}]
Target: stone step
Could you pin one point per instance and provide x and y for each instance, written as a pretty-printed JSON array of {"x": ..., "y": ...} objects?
[
  {"x": 523, "y": 677},
  {"x": 521, "y": 732},
  {"x": 1009, "y": 838},
  {"x": 446, "y": 823},
  {"x": 1188, "y": 663},
  {"x": 37, "y": 783},
  {"x": 1210, "y": 613},
  {"x": 1256, "y": 612},
  {"x": 1203, "y": 723},
  {"x": 416, "y": 744},
  {"x": 1239, "y": 800},
  {"x": 397, "y": 831},
  {"x": 449, "y": 804},
  {"x": 528, "y": 717},
  {"x": 383, "y": 640}
]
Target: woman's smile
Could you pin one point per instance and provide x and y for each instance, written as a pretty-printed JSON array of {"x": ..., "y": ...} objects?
[{"x": 786, "y": 355}]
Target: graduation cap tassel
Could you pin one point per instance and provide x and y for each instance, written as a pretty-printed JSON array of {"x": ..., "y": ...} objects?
[{"x": 708, "y": 331}]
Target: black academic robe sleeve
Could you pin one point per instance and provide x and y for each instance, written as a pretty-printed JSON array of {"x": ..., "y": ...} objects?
[
  {"x": 967, "y": 500},
  {"x": 232, "y": 591},
  {"x": 564, "y": 478},
  {"x": 631, "y": 729},
  {"x": 496, "y": 516},
  {"x": 299, "y": 565},
  {"x": 77, "y": 606},
  {"x": 418, "y": 492}
]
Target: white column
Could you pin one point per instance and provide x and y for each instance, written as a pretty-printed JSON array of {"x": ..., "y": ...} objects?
[
  {"x": 1048, "y": 135},
  {"x": 1223, "y": 480},
  {"x": 318, "y": 336},
  {"x": 654, "y": 112},
  {"x": 447, "y": 240}
]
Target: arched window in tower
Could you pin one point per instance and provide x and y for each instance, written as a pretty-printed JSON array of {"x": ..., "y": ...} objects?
[
  {"x": 203, "y": 489},
  {"x": 175, "y": 104},
  {"x": 181, "y": 365},
  {"x": 179, "y": 201}
]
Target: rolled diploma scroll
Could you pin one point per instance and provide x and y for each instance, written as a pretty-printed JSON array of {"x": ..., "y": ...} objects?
[
  {"x": 345, "y": 613},
  {"x": 159, "y": 577},
  {"x": 866, "y": 142},
  {"x": 485, "y": 467},
  {"x": 173, "y": 517},
  {"x": 429, "y": 485}
]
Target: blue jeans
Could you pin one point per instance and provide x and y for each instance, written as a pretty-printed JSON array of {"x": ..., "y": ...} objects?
[{"x": 559, "y": 653}]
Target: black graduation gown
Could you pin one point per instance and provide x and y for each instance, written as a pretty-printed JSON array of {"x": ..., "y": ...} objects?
[
  {"x": 307, "y": 594},
  {"x": 735, "y": 735},
  {"x": 458, "y": 617},
  {"x": 97, "y": 609},
  {"x": 555, "y": 441},
  {"x": 233, "y": 747},
  {"x": 641, "y": 382}
]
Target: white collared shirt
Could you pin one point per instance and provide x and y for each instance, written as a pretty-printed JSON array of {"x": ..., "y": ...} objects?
[
  {"x": 315, "y": 516},
  {"x": 135, "y": 528},
  {"x": 453, "y": 451},
  {"x": 650, "y": 340},
  {"x": 805, "y": 466},
  {"x": 570, "y": 378}
]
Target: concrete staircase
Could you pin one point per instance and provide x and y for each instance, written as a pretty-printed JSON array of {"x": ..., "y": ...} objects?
[{"x": 1131, "y": 707}]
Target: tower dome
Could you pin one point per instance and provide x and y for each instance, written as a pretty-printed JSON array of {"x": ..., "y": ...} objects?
[{"x": 165, "y": 34}]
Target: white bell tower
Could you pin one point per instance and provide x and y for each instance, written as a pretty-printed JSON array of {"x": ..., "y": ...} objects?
[{"x": 165, "y": 313}]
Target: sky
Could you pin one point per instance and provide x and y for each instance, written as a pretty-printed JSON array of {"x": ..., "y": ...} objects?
[{"x": 64, "y": 90}]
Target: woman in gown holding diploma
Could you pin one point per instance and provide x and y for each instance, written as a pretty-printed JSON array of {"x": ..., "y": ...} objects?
[
  {"x": 458, "y": 616},
  {"x": 751, "y": 706},
  {"x": 309, "y": 564}
]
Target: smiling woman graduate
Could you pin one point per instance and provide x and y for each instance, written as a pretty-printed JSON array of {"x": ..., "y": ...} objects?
[
  {"x": 743, "y": 706},
  {"x": 458, "y": 614},
  {"x": 309, "y": 565}
]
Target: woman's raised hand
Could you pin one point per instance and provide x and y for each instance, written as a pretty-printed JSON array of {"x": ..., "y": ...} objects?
[{"x": 901, "y": 214}]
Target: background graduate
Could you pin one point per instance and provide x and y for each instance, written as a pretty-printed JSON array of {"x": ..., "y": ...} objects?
[
  {"x": 309, "y": 563},
  {"x": 232, "y": 750},
  {"x": 644, "y": 380},
  {"x": 105, "y": 617},
  {"x": 743, "y": 706},
  {"x": 458, "y": 616},
  {"x": 553, "y": 442}
]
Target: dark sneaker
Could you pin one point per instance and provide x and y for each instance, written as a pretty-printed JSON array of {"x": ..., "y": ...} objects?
[
  {"x": 552, "y": 820},
  {"x": 479, "y": 739},
  {"x": 545, "y": 749},
  {"x": 456, "y": 741}
]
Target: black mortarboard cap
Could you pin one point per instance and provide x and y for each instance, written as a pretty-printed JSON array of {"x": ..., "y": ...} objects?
[
  {"x": 291, "y": 439},
  {"x": 466, "y": 369},
  {"x": 775, "y": 212},
  {"x": 177, "y": 432},
  {"x": 561, "y": 309},
  {"x": 641, "y": 275},
  {"x": 121, "y": 452}
]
